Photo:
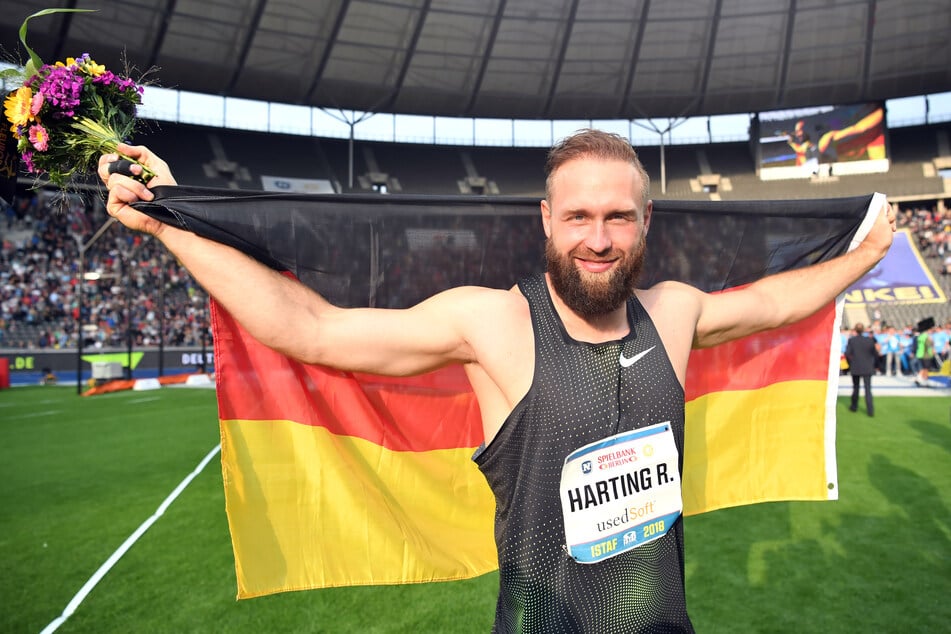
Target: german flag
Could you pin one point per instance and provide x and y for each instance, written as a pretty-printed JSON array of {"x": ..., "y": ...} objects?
[
  {"x": 333, "y": 478},
  {"x": 761, "y": 417}
]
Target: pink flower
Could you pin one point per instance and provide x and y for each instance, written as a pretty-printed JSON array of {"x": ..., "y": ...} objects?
[
  {"x": 39, "y": 137},
  {"x": 37, "y": 103}
]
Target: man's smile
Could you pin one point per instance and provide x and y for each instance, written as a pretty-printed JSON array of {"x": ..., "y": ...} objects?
[{"x": 595, "y": 266}]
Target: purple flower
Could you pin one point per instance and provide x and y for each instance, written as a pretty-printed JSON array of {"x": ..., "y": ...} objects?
[
  {"x": 106, "y": 79},
  {"x": 28, "y": 159},
  {"x": 61, "y": 88},
  {"x": 121, "y": 84}
]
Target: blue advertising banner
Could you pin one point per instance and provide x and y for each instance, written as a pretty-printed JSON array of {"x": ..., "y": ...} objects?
[{"x": 902, "y": 277}]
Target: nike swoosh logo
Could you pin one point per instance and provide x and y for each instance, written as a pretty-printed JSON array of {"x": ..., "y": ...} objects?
[{"x": 626, "y": 363}]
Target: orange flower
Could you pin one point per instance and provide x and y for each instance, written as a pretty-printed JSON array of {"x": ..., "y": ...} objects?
[{"x": 17, "y": 106}]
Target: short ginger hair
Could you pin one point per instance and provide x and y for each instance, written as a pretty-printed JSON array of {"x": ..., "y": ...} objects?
[{"x": 591, "y": 143}]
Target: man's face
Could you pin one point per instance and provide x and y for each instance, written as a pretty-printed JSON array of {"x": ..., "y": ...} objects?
[{"x": 596, "y": 225}]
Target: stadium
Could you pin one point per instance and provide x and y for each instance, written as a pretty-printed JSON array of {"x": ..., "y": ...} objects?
[{"x": 437, "y": 102}]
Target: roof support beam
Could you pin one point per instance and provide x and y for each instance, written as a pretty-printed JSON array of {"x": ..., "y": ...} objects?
[
  {"x": 480, "y": 76},
  {"x": 786, "y": 52},
  {"x": 708, "y": 59},
  {"x": 635, "y": 56},
  {"x": 565, "y": 41},
  {"x": 325, "y": 55},
  {"x": 869, "y": 38},
  {"x": 246, "y": 47},
  {"x": 162, "y": 30},
  {"x": 408, "y": 59}
]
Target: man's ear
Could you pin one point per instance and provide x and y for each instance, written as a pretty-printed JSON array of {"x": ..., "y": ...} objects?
[
  {"x": 648, "y": 210},
  {"x": 546, "y": 218}
]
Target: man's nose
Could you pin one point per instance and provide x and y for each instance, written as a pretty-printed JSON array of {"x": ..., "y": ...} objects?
[{"x": 599, "y": 238}]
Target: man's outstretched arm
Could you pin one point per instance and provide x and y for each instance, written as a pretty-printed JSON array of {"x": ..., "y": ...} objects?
[
  {"x": 788, "y": 297},
  {"x": 291, "y": 318}
]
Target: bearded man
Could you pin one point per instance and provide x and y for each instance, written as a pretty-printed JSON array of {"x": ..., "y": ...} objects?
[{"x": 571, "y": 368}]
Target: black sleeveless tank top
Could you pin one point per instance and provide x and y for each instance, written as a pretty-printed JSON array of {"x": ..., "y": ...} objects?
[{"x": 580, "y": 394}]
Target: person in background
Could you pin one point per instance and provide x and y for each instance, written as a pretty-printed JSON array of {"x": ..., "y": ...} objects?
[
  {"x": 941, "y": 336},
  {"x": 924, "y": 355},
  {"x": 862, "y": 352},
  {"x": 844, "y": 334},
  {"x": 892, "y": 352},
  {"x": 807, "y": 152},
  {"x": 906, "y": 347},
  {"x": 880, "y": 334}
]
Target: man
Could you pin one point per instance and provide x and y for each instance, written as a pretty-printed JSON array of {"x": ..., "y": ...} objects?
[
  {"x": 880, "y": 335},
  {"x": 906, "y": 345},
  {"x": 941, "y": 337},
  {"x": 576, "y": 356},
  {"x": 807, "y": 152},
  {"x": 844, "y": 334},
  {"x": 892, "y": 351},
  {"x": 862, "y": 353},
  {"x": 924, "y": 353}
]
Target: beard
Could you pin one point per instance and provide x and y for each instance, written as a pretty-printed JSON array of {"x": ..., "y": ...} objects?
[{"x": 593, "y": 295}]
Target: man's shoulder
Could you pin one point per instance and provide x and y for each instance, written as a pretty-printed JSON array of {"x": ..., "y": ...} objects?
[
  {"x": 485, "y": 317},
  {"x": 667, "y": 296},
  {"x": 668, "y": 287},
  {"x": 471, "y": 297}
]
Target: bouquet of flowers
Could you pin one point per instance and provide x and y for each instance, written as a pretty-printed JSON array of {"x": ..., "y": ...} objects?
[{"x": 68, "y": 113}]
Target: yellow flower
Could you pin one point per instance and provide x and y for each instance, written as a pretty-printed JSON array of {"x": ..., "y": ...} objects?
[
  {"x": 16, "y": 107},
  {"x": 92, "y": 68}
]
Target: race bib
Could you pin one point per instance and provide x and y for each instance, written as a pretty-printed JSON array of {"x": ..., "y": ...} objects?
[{"x": 620, "y": 493}]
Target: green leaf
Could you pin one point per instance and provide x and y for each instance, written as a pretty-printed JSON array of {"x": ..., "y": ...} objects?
[{"x": 35, "y": 62}]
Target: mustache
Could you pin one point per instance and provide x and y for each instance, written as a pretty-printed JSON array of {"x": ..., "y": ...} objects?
[{"x": 584, "y": 253}]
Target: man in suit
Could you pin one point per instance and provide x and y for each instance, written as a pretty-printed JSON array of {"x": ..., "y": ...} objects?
[{"x": 862, "y": 352}]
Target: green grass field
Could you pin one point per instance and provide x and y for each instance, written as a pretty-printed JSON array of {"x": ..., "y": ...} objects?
[{"x": 81, "y": 474}]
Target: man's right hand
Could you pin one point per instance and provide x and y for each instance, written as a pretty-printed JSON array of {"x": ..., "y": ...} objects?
[{"x": 124, "y": 190}]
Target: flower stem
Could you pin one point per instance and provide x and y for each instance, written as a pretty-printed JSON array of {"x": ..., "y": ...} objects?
[
  {"x": 107, "y": 141},
  {"x": 146, "y": 175}
]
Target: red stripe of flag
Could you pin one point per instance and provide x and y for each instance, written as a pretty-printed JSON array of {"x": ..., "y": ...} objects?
[
  {"x": 796, "y": 352},
  {"x": 433, "y": 411}
]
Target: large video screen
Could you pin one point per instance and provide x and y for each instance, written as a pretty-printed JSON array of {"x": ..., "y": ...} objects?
[{"x": 822, "y": 142}]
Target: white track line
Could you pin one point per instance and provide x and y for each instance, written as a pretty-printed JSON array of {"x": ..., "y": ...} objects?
[
  {"x": 34, "y": 414},
  {"x": 126, "y": 545}
]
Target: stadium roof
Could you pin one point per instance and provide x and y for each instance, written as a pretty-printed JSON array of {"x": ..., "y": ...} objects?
[{"x": 557, "y": 59}]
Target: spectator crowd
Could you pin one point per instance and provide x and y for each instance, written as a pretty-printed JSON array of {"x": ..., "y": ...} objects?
[
  {"x": 43, "y": 233},
  {"x": 913, "y": 350},
  {"x": 40, "y": 304},
  {"x": 931, "y": 227}
]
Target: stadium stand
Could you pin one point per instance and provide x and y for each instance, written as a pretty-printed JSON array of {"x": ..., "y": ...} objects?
[
  {"x": 41, "y": 234},
  {"x": 515, "y": 173},
  {"x": 39, "y": 298}
]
